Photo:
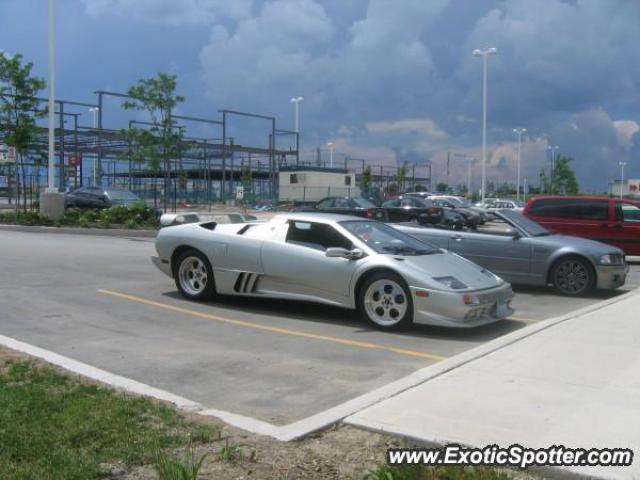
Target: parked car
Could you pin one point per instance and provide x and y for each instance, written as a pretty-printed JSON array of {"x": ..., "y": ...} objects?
[
  {"x": 413, "y": 209},
  {"x": 424, "y": 212},
  {"x": 523, "y": 252},
  {"x": 471, "y": 217},
  {"x": 100, "y": 197},
  {"x": 508, "y": 204},
  {"x": 422, "y": 194},
  {"x": 487, "y": 203},
  {"x": 357, "y": 206},
  {"x": 393, "y": 279},
  {"x": 610, "y": 220}
]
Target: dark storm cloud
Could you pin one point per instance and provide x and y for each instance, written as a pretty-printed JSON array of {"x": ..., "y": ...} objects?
[{"x": 566, "y": 70}]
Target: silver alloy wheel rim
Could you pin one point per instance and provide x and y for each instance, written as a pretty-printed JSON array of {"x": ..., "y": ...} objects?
[
  {"x": 385, "y": 302},
  {"x": 572, "y": 277},
  {"x": 193, "y": 275}
]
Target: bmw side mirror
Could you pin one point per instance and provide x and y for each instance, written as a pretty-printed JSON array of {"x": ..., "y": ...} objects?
[{"x": 515, "y": 234}]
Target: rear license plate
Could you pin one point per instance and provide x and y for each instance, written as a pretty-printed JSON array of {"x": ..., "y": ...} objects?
[{"x": 502, "y": 308}]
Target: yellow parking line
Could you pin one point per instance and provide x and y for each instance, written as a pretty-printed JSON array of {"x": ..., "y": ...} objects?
[{"x": 267, "y": 328}]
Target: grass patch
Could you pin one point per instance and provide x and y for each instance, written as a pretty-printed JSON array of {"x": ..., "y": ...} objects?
[
  {"x": 55, "y": 427},
  {"x": 421, "y": 472}
]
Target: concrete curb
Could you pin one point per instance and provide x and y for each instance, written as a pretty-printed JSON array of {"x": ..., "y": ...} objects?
[
  {"x": 321, "y": 420},
  {"x": 104, "y": 232}
]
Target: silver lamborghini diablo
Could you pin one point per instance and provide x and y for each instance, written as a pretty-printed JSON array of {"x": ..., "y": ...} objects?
[{"x": 391, "y": 278}]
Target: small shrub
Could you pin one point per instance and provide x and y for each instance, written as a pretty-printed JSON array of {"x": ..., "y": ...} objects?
[
  {"x": 170, "y": 468},
  {"x": 132, "y": 223},
  {"x": 231, "y": 453}
]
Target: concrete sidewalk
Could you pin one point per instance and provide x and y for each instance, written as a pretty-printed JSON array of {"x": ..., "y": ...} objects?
[{"x": 576, "y": 383}]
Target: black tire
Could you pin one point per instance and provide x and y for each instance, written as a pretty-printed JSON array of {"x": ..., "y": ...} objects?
[
  {"x": 380, "y": 313},
  {"x": 193, "y": 275},
  {"x": 572, "y": 276}
]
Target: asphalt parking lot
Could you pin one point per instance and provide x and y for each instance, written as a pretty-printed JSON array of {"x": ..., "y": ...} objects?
[{"x": 99, "y": 300}]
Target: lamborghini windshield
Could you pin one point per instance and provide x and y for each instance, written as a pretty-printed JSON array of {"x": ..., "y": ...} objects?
[{"x": 385, "y": 239}]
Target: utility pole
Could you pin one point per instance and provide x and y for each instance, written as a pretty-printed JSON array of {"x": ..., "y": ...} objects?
[
  {"x": 485, "y": 55},
  {"x": 622, "y": 165},
  {"x": 519, "y": 132}
]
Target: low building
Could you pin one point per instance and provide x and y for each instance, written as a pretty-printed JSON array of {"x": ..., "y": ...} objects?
[
  {"x": 310, "y": 184},
  {"x": 630, "y": 187}
]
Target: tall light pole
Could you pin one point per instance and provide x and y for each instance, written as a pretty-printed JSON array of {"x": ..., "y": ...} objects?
[
  {"x": 330, "y": 145},
  {"x": 622, "y": 165},
  {"x": 553, "y": 149},
  {"x": 52, "y": 85},
  {"x": 485, "y": 55},
  {"x": 94, "y": 114},
  {"x": 519, "y": 132},
  {"x": 469, "y": 160},
  {"x": 296, "y": 115}
]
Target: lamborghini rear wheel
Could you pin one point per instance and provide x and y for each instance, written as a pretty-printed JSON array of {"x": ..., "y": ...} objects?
[{"x": 194, "y": 276}]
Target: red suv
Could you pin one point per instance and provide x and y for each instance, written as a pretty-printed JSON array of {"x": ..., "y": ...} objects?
[{"x": 610, "y": 220}]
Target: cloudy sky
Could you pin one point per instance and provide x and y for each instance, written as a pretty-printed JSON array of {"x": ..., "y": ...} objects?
[{"x": 385, "y": 80}]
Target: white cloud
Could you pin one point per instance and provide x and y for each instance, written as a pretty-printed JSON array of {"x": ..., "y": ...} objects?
[
  {"x": 626, "y": 129},
  {"x": 424, "y": 126}
]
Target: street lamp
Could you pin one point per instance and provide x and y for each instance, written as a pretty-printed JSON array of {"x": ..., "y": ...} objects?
[
  {"x": 296, "y": 108},
  {"x": 519, "y": 132},
  {"x": 52, "y": 77},
  {"x": 485, "y": 55},
  {"x": 622, "y": 165},
  {"x": 94, "y": 113},
  {"x": 330, "y": 145},
  {"x": 553, "y": 149}
]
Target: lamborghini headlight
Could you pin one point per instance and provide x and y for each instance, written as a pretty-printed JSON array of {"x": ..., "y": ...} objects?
[{"x": 450, "y": 282}]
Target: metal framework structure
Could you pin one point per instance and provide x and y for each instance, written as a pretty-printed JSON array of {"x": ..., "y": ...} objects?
[{"x": 207, "y": 170}]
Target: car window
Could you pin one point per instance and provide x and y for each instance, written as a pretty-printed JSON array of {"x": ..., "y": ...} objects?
[
  {"x": 571, "y": 208},
  {"x": 408, "y": 202},
  {"x": 318, "y": 236},
  {"x": 387, "y": 240},
  {"x": 341, "y": 203},
  {"x": 497, "y": 226},
  {"x": 391, "y": 203},
  {"x": 122, "y": 195},
  {"x": 626, "y": 212},
  {"x": 363, "y": 202},
  {"x": 327, "y": 203}
]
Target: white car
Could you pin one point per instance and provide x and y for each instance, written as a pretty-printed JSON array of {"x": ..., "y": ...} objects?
[{"x": 508, "y": 204}]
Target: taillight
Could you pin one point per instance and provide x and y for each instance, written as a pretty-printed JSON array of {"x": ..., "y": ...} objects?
[{"x": 370, "y": 213}]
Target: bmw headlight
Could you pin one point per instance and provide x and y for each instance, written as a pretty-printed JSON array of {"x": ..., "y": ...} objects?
[
  {"x": 451, "y": 282},
  {"x": 611, "y": 259}
]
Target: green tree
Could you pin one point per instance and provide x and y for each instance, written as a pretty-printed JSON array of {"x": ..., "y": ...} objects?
[
  {"x": 392, "y": 189},
  {"x": 401, "y": 175},
  {"x": 544, "y": 182},
  {"x": 161, "y": 143},
  {"x": 366, "y": 179},
  {"x": 564, "y": 181},
  {"x": 19, "y": 110},
  {"x": 247, "y": 182}
]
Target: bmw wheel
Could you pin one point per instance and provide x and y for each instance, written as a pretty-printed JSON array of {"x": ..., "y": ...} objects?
[
  {"x": 194, "y": 276},
  {"x": 572, "y": 276},
  {"x": 385, "y": 301}
]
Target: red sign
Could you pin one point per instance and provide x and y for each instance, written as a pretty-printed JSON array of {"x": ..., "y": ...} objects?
[{"x": 74, "y": 160}]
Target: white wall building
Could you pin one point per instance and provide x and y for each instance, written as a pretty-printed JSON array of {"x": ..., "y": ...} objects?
[
  {"x": 311, "y": 184},
  {"x": 629, "y": 187}
]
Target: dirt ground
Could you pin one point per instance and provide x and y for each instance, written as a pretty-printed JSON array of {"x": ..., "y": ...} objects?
[{"x": 340, "y": 452}]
